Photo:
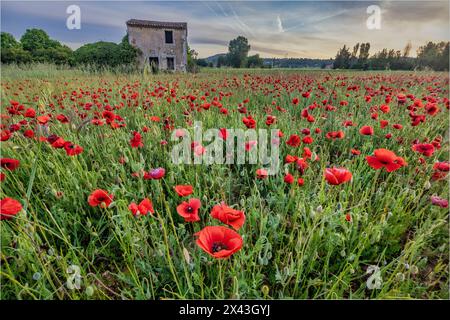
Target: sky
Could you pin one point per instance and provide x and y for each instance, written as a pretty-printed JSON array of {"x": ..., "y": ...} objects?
[{"x": 294, "y": 29}]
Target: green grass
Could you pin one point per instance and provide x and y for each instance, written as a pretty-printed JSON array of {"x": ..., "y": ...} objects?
[{"x": 297, "y": 243}]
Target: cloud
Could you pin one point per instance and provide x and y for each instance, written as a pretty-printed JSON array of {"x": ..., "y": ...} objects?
[
  {"x": 279, "y": 25},
  {"x": 293, "y": 28}
]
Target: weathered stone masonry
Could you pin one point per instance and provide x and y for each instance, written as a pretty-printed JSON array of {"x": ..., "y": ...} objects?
[{"x": 163, "y": 43}]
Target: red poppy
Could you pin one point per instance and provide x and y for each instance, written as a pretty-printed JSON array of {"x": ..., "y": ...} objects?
[
  {"x": 43, "y": 119},
  {"x": 136, "y": 141},
  {"x": 427, "y": 149},
  {"x": 261, "y": 173},
  {"x": 438, "y": 201},
  {"x": 270, "y": 120},
  {"x": 100, "y": 197},
  {"x": 387, "y": 159},
  {"x": 289, "y": 178},
  {"x": 302, "y": 165},
  {"x": 189, "y": 210},
  {"x": 219, "y": 242},
  {"x": 300, "y": 181},
  {"x": 223, "y": 133},
  {"x": 336, "y": 176},
  {"x": 157, "y": 173},
  {"x": 30, "y": 113},
  {"x": 9, "y": 208},
  {"x": 308, "y": 140},
  {"x": 72, "y": 149},
  {"x": 366, "y": 130},
  {"x": 9, "y": 164},
  {"x": 294, "y": 141},
  {"x": 2, "y": 176},
  {"x": 227, "y": 215},
  {"x": 184, "y": 190},
  {"x": 249, "y": 122},
  {"x": 144, "y": 207}
]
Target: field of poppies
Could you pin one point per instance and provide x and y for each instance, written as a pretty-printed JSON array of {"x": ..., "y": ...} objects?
[{"x": 93, "y": 207}]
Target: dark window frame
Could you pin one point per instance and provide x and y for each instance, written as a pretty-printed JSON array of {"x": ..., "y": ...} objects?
[
  {"x": 173, "y": 63},
  {"x": 166, "y": 32}
]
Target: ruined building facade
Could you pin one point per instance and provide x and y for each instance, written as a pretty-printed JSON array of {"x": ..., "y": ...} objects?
[{"x": 162, "y": 44}]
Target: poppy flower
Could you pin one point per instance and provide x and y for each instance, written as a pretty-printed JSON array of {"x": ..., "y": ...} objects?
[
  {"x": 249, "y": 122},
  {"x": 250, "y": 144},
  {"x": 183, "y": 190},
  {"x": 223, "y": 133},
  {"x": 270, "y": 120},
  {"x": 9, "y": 164},
  {"x": 2, "y": 176},
  {"x": 302, "y": 165},
  {"x": 387, "y": 159},
  {"x": 289, "y": 178},
  {"x": 189, "y": 210},
  {"x": 144, "y": 207},
  {"x": 72, "y": 149},
  {"x": 294, "y": 140},
  {"x": 308, "y": 140},
  {"x": 100, "y": 197},
  {"x": 300, "y": 181},
  {"x": 219, "y": 242},
  {"x": 9, "y": 208},
  {"x": 438, "y": 201},
  {"x": 157, "y": 173},
  {"x": 366, "y": 131},
  {"x": 227, "y": 215},
  {"x": 336, "y": 176},
  {"x": 30, "y": 113},
  {"x": 427, "y": 149},
  {"x": 136, "y": 141},
  {"x": 43, "y": 119},
  {"x": 261, "y": 173}
]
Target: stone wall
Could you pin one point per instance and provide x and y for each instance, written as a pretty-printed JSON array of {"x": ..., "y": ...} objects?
[{"x": 151, "y": 41}]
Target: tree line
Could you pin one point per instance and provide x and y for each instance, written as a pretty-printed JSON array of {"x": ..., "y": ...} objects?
[
  {"x": 237, "y": 56},
  {"x": 433, "y": 56},
  {"x": 35, "y": 45}
]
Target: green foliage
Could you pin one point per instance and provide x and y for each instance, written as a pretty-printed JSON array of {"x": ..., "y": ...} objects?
[
  {"x": 434, "y": 56},
  {"x": 430, "y": 56},
  {"x": 192, "y": 61},
  {"x": 255, "y": 61},
  {"x": 34, "y": 39},
  {"x": 36, "y": 46},
  {"x": 237, "y": 52},
  {"x": 297, "y": 242},
  {"x": 8, "y": 41},
  {"x": 106, "y": 53}
]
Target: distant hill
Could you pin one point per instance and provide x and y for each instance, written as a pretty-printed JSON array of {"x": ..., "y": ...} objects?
[
  {"x": 214, "y": 58},
  {"x": 284, "y": 62}
]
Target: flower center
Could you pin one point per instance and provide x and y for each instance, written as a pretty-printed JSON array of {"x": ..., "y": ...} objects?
[
  {"x": 218, "y": 246},
  {"x": 190, "y": 209}
]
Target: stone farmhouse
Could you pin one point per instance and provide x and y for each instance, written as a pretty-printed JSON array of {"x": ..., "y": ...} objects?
[{"x": 163, "y": 45}]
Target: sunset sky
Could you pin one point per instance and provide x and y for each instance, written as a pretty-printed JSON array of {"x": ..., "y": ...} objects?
[{"x": 274, "y": 28}]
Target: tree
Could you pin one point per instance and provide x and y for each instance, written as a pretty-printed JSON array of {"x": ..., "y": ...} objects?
[
  {"x": 433, "y": 55},
  {"x": 34, "y": 39},
  {"x": 237, "y": 52},
  {"x": 99, "y": 53},
  {"x": 342, "y": 60},
  {"x": 202, "y": 62},
  {"x": 255, "y": 61},
  {"x": 8, "y": 41},
  {"x": 192, "y": 65},
  {"x": 222, "y": 61}
]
